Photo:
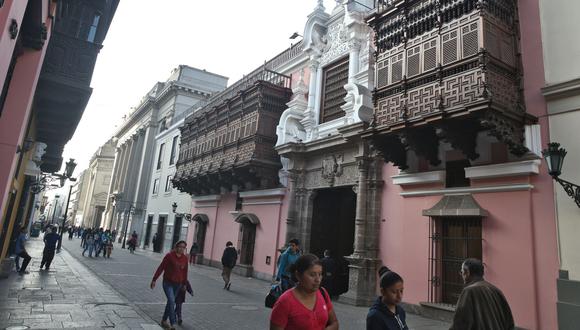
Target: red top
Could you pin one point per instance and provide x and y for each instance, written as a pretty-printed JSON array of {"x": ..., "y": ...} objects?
[
  {"x": 173, "y": 267},
  {"x": 290, "y": 314}
]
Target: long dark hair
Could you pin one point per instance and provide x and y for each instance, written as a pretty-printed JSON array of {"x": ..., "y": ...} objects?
[
  {"x": 388, "y": 277},
  {"x": 302, "y": 264}
]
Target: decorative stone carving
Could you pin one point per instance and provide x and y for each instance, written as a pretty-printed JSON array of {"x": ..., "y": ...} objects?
[
  {"x": 337, "y": 44},
  {"x": 332, "y": 168}
]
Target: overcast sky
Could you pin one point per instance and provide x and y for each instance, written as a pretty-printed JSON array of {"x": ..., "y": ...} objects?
[{"x": 148, "y": 38}]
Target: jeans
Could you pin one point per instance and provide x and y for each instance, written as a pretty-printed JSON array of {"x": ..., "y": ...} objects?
[
  {"x": 24, "y": 255},
  {"x": 226, "y": 274},
  {"x": 170, "y": 290},
  {"x": 89, "y": 246},
  {"x": 47, "y": 256}
]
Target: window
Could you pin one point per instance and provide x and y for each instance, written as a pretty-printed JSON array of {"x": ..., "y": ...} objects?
[
  {"x": 160, "y": 156},
  {"x": 155, "y": 186},
  {"x": 168, "y": 183},
  {"x": 453, "y": 240},
  {"x": 162, "y": 125},
  {"x": 93, "y": 28},
  {"x": 334, "y": 77},
  {"x": 173, "y": 150},
  {"x": 455, "y": 173}
]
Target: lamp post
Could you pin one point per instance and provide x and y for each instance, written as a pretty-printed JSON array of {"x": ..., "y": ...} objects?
[
  {"x": 56, "y": 197},
  {"x": 554, "y": 157},
  {"x": 131, "y": 211},
  {"x": 69, "y": 169},
  {"x": 186, "y": 216}
]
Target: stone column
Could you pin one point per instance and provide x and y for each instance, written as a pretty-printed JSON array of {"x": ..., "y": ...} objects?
[
  {"x": 310, "y": 115},
  {"x": 361, "y": 203},
  {"x": 305, "y": 203},
  {"x": 363, "y": 262},
  {"x": 291, "y": 225},
  {"x": 354, "y": 46}
]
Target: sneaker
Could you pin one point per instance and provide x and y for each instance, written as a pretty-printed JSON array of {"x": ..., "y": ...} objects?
[
  {"x": 165, "y": 325},
  {"x": 180, "y": 321},
  {"x": 23, "y": 272}
]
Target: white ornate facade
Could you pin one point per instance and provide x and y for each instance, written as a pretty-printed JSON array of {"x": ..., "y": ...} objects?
[{"x": 327, "y": 159}]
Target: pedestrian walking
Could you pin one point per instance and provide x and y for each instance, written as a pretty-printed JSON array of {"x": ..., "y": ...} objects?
[
  {"x": 174, "y": 269},
  {"x": 89, "y": 243},
  {"x": 98, "y": 242},
  {"x": 70, "y": 233},
  {"x": 306, "y": 306},
  {"x": 481, "y": 305},
  {"x": 287, "y": 259},
  {"x": 329, "y": 272},
  {"x": 229, "y": 258},
  {"x": 193, "y": 253},
  {"x": 50, "y": 240},
  {"x": 84, "y": 238},
  {"x": 180, "y": 299},
  {"x": 386, "y": 314},
  {"x": 20, "y": 251}
]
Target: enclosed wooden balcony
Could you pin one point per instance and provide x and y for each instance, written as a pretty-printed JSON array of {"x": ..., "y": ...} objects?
[
  {"x": 445, "y": 70},
  {"x": 228, "y": 144}
]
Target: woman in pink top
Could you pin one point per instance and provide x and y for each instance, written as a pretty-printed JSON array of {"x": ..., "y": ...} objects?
[{"x": 306, "y": 306}]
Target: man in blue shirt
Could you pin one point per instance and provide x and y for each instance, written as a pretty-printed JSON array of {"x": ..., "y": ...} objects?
[
  {"x": 50, "y": 241},
  {"x": 288, "y": 258},
  {"x": 20, "y": 250}
]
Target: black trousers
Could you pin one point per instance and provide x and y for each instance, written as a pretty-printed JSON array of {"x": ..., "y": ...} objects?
[
  {"x": 47, "y": 256},
  {"x": 26, "y": 257}
]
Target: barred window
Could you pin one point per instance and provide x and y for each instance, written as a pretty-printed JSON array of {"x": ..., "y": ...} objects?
[
  {"x": 334, "y": 77},
  {"x": 453, "y": 239}
]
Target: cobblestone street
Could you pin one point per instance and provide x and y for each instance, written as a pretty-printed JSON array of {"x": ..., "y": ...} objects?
[
  {"x": 82, "y": 292},
  {"x": 211, "y": 307}
]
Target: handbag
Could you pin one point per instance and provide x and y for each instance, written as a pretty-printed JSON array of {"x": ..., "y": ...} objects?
[{"x": 273, "y": 295}]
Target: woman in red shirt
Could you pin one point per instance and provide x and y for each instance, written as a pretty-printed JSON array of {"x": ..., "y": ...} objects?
[
  {"x": 306, "y": 306},
  {"x": 174, "y": 269}
]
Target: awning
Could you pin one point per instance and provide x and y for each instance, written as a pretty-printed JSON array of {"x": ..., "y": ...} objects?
[
  {"x": 247, "y": 217},
  {"x": 456, "y": 206}
]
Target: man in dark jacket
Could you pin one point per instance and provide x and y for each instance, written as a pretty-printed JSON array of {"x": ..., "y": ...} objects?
[
  {"x": 481, "y": 305},
  {"x": 229, "y": 259},
  {"x": 328, "y": 272},
  {"x": 50, "y": 241}
]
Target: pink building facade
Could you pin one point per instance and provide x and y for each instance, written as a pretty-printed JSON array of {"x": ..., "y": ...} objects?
[
  {"x": 26, "y": 27},
  {"x": 442, "y": 163}
]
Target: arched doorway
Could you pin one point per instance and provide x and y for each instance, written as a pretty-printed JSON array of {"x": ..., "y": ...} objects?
[{"x": 246, "y": 241}]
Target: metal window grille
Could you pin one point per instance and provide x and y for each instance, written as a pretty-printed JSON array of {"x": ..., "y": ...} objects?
[
  {"x": 453, "y": 239},
  {"x": 335, "y": 76}
]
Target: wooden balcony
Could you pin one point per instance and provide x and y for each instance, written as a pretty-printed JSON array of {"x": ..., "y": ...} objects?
[
  {"x": 446, "y": 70},
  {"x": 229, "y": 143}
]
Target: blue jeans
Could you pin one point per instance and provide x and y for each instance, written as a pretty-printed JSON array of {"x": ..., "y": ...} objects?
[{"x": 170, "y": 290}]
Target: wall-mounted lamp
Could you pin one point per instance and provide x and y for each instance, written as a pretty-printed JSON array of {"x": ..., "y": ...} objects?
[{"x": 554, "y": 157}]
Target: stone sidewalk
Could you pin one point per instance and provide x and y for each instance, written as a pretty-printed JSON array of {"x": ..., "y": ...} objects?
[{"x": 68, "y": 296}]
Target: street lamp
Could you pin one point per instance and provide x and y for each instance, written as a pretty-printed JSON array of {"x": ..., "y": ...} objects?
[
  {"x": 69, "y": 169},
  {"x": 56, "y": 197},
  {"x": 554, "y": 157},
  {"x": 186, "y": 216}
]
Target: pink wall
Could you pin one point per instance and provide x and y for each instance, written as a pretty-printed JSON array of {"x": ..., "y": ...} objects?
[
  {"x": 541, "y": 206},
  {"x": 16, "y": 112},
  {"x": 270, "y": 233},
  {"x": 10, "y": 10},
  {"x": 519, "y": 247}
]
